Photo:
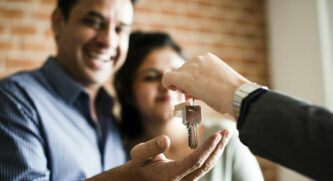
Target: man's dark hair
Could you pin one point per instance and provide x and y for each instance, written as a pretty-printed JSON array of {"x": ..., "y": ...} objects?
[
  {"x": 66, "y": 6},
  {"x": 140, "y": 46}
]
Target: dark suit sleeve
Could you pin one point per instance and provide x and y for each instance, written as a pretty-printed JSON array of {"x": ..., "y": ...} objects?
[
  {"x": 292, "y": 133},
  {"x": 22, "y": 155}
]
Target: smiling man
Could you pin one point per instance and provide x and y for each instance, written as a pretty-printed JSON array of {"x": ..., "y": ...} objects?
[{"x": 56, "y": 122}]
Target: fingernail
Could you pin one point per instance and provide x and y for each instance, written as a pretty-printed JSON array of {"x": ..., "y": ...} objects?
[
  {"x": 172, "y": 87},
  {"x": 218, "y": 138},
  {"x": 161, "y": 142},
  {"x": 226, "y": 134}
]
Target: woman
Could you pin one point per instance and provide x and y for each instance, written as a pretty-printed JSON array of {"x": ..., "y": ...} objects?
[{"x": 147, "y": 108}]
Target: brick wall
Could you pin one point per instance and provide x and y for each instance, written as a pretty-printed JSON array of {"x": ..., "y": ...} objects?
[
  {"x": 234, "y": 30},
  {"x": 25, "y": 36}
]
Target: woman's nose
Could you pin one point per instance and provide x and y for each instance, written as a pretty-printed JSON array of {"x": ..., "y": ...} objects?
[{"x": 161, "y": 87}]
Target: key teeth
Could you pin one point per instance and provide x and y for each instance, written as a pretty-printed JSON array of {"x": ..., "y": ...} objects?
[
  {"x": 192, "y": 136},
  {"x": 191, "y": 118}
]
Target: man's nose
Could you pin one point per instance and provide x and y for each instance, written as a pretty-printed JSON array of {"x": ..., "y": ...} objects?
[{"x": 108, "y": 37}]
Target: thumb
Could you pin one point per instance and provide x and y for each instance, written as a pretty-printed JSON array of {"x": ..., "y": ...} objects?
[{"x": 147, "y": 150}]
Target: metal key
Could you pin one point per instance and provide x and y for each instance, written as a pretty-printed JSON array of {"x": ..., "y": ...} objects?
[{"x": 192, "y": 118}]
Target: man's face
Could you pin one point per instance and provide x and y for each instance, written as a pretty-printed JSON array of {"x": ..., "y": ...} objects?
[{"x": 93, "y": 42}]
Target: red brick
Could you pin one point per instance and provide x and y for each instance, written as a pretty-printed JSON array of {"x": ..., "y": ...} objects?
[
  {"x": 49, "y": 2},
  {"x": 6, "y": 46},
  {"x": 24, "y": 30},
  {"x": 211, "y": 12},
  {"x": 11, "y": 14},
  {"x": 49, "y": 33},
  {"x": 22, "y": 64},
  {"x": 2, "y": 64},
  {"x": 2, "y": 29},
  {"x": 42, "y": 16},
  {"x": 27, "y": 1},
  {"x": 30, "y": 46}
]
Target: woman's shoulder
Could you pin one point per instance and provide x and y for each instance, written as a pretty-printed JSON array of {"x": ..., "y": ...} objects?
[
  {"x": 218, "y": 125},
  {"x": 237, "y": 161}
]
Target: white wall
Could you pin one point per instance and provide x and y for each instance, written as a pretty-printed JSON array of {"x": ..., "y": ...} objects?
[
  {"x": 325, "y": 17},
  {"x": 300, "y": 53},
  {"x": 295, "y": 56}
]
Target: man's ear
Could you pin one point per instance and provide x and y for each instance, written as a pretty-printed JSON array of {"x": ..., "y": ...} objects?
[{"x": 58, "y": 22}]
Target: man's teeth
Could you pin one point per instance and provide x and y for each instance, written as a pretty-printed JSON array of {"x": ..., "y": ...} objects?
[{"x": 102, "y": 57}]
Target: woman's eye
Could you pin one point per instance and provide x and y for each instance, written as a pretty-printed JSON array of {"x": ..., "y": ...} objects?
[
  {"x": 97, "y": 24},
  {"x": 150, "y": 78}
]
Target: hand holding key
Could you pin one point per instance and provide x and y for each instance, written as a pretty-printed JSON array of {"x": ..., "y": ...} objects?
[{"x": 206, "y": 77}]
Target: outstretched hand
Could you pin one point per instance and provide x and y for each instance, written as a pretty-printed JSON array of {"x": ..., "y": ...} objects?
[{"x": 149, "y": 163}]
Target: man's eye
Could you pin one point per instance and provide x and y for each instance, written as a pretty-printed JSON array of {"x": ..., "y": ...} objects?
[
  {"x": 122, "y": 29},
  {"x": 93, "y": 23},
  {"x": 119, "y": 29}
]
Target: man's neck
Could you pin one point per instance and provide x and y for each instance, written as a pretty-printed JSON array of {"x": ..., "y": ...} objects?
[{"x": 92, "y": 92}]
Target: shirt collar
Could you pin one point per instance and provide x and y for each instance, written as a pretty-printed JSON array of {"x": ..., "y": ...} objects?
[{"x": 68, "y": 88}]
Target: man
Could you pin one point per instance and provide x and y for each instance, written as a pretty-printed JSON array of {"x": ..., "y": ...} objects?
[
  {"x": 277, "y": 127},
  {"x": 56, "y": 122}
]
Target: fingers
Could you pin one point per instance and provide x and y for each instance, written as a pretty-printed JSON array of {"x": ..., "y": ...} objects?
[
  {"x": 145, "y": 151},
  {"x": 170, "y": 80},
  {"x": 189, "y": 97},
  {"x": 210, "y": 162},
  {"x": 198, "y": 157}
]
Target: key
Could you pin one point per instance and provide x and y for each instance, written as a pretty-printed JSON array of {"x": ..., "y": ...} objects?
[
  {"x": 179, "y": 109},
  {"x": 192, "y": 118}
]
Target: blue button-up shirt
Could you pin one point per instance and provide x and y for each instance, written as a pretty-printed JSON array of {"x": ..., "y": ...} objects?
[{"x": 47, "y": 131}]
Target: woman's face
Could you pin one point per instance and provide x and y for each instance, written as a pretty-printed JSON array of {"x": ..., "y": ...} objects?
[{"x": 153, "y": 101}]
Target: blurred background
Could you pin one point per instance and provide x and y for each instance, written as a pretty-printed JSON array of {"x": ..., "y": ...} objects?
[{"x": 284, "y": 44}]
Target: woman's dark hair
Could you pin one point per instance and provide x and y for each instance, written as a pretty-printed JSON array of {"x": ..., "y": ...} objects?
[
  {"x": 140, "y": 45},
  {"x": 66, "y": 6}
]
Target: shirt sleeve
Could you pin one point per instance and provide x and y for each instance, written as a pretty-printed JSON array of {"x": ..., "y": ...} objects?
[
  {"x": 246, "y": 104},
  {"x": 22, "y": 153},
  {"x": 292, "y": 133}
]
